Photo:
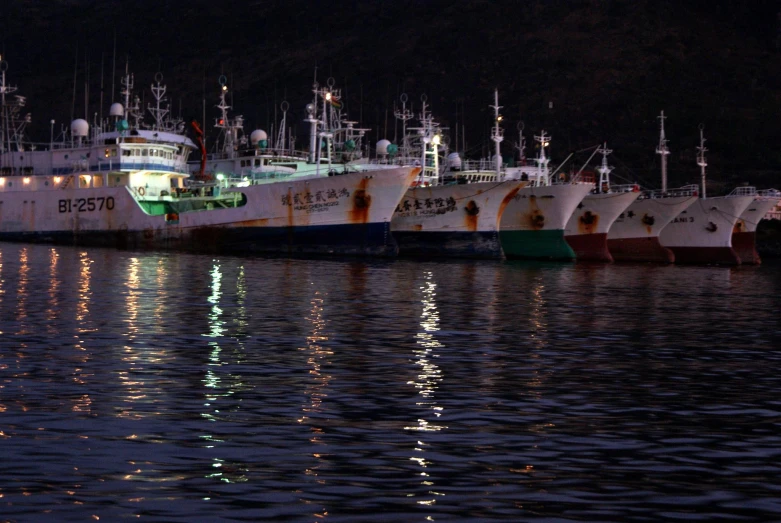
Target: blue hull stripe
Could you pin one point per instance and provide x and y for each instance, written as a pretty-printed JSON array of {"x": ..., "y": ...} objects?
[
  {"x": 483, "y": 244},
  {"x": 372, "y": 239}
]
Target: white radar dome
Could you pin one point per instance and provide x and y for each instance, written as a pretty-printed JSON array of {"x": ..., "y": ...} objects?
[
  {"x": 79, "y": 127},
  {"x": 258, "y": 135},
  {"x": 454, "y": 161},
  {"x": 382, "y": 146},
  {"x": 116, "y": 110}
]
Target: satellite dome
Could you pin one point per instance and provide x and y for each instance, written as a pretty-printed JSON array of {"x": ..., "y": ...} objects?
[
  {"x": 258, "y": 135},
  {"x": 382, "y": 147},
  {"x": 116, "y": 110},
  {"x": 454, "y": 161},
  {"x": 79, "y": 128}
]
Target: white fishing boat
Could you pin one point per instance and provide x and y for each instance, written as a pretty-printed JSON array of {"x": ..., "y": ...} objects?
[
  {"x": 634, "y": 236},
  {"x": 121, "y": 183},
  {"x": 453, "y": 212},
  {"x": 744, "y": 233},
  {"x": 587, "y": 229},
  {"x": 317, "y": 201},
  {"x": 534, "y": 220},
  {"x": 702, "y": 233}
]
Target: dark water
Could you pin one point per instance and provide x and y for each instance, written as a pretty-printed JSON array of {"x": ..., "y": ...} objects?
[{"x": 169, "y": 387}]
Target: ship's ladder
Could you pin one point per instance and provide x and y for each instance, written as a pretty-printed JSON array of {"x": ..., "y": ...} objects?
[{"x": 66, "y": 181}]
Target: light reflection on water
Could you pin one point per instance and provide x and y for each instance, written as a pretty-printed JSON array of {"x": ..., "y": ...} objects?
[{"x": 181, "y": 388}]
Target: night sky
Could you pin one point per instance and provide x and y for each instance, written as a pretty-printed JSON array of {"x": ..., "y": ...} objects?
[{"x": 585, "y": 71}]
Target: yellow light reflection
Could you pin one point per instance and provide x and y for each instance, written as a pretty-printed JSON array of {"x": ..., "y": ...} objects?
[
  {"x": 54, "y": 287},
  {"x": 428, "y": 379},
  {"x": 130, "y": 356},
  {"x": 82, "y": 306},
  {"x": 21, "y": 292},
  {"x": 317, "y": 358},
  {"x": 539, "y": 335}
]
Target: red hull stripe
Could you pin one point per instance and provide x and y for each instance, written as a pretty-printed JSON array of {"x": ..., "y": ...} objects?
[
  {"x": 744, "y": 244},
  {"x": 590, "y": 247},
  {"x": 706, "y": 255},
  {"x": 640, "y": 249}
]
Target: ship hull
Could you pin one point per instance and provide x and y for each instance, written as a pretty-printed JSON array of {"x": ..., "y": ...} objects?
[
  {"x": 532, "y": 226},
  {"x": 346, "y": 214},
  {"x": 702, "y": 233},
  {"x": 587, "y": 228},
  {"x": 744, "y": 233},
  {"x": 634, "y": 235},
  {"x": 452, "y": 220}
]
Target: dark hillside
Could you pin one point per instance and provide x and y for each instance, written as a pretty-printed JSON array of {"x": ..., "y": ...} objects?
[{"x": 584, "y": 71}]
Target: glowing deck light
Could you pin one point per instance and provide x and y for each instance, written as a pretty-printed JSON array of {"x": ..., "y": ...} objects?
[
  {"x": 220, "y": 176},
  {"x": 26, "y": 180},
  {"x": 57, "y": 179}
]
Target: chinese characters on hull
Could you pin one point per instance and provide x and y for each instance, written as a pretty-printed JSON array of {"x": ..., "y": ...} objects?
[
  {"x": 317, "y": 201},
  {"x": 426, "y": 206}
]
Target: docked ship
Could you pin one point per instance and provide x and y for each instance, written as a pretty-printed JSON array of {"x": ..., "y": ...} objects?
[
  {"x": 125, "y": 184},
  {"x": 634, "y": 236},
  {"x": 587, "y": 228},
  {"x": 745, "y": 231},
  {"x": 534, "y": 220},
  {"x": 448, "y": 211},
  {"x": 309, "y": 202},
  {"x": 702, "y": 233}
]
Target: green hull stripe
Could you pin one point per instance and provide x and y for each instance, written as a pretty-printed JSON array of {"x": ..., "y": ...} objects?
[{"x": 538, "y": 245}]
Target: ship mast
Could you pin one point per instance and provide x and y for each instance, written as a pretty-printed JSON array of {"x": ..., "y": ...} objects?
[
  {"x": 604, "y": 170},
  {"x": 430, "y": 145},
  {"x": 498, "y": 133},
  {"x": 11, "y": 128},
  {"x": 158, "y": 91},
  {"x": 542, "y": 160},
  {"x": 5, "y": 131},
  {"x": 663, "y": 151},
  {"x": 229, "y": 128},
  {"x": 701, "y": 159},
  {"x": 521, "y": 145},
  {"x": 404, "y": 115},
  {"x": 281, "y": 139}
]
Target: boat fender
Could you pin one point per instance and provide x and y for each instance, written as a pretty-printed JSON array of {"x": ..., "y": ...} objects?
[
  {"x": 141, "y": 191},
  {"x": 635, "y": 188}
]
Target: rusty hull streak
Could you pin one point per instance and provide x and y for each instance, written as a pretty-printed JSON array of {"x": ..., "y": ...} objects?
[
  {"x": 362, "y": 201},
  {"x": 588, "y": 222},
  {"x": 506, "y": 202},
  {"x": 290, "y": 207},
  {"x": 536, "y": 217},
  {"x": 470, "y": 220},
  {"x": 413, "y": 174},
  {"x": 418, "y": 227}
]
